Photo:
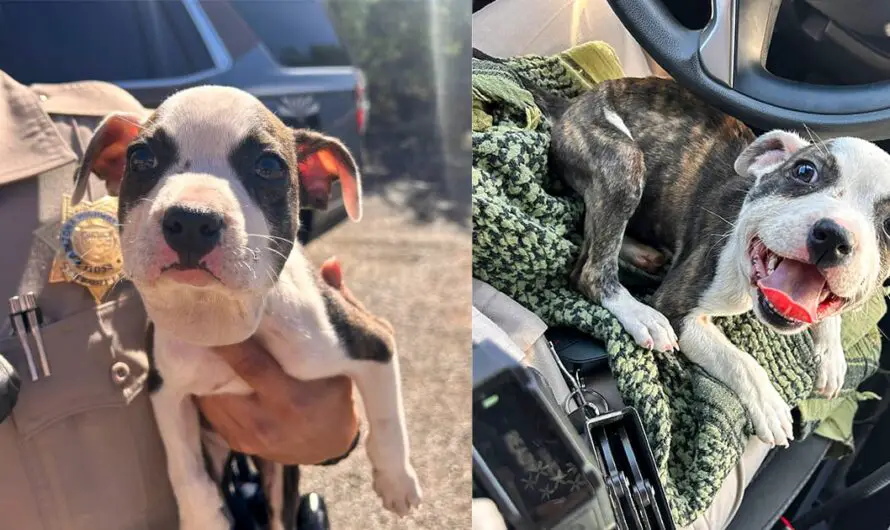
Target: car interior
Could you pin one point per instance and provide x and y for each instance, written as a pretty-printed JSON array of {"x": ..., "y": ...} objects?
[{"x": 812, "y": 65}]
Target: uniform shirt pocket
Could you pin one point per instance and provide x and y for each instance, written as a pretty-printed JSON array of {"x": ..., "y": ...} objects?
[{"x": 87, "y": 432}]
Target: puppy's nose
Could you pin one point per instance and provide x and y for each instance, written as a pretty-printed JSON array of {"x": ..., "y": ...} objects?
[
  {"x": 191, "y": 233},
  {"x": 829, "y": 244}
]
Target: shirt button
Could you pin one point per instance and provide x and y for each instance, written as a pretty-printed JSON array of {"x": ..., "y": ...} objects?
[{"x": 119, "y": 372}]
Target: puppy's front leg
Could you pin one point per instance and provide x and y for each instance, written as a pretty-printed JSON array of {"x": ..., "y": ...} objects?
[
  {"x": 395, "y": 480},
  {"x": 612, "y": 186},
  {"x": 706, "y": 346},
  {"x": 830, "y": 354},
  {"x": 379, "y": 384},
  {"x": 200, "y": 504}
]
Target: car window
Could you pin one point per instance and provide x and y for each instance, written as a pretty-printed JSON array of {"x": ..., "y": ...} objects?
[
  {"x": 297, "y": 33},
  {"x": 151, "y": 40}
]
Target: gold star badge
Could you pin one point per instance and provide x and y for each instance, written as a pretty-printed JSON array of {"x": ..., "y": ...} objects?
[{"x": 90, "y": 253}]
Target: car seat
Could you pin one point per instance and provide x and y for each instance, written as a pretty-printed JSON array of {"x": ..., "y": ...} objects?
[{"x": 787, "y": 480}]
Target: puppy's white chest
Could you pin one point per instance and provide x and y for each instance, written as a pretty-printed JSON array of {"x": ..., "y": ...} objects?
[
  {"x": 193, "y": 369},
  {"x": 294, "y": 329}
]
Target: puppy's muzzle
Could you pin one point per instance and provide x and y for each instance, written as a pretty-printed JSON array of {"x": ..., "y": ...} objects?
[
  {"x": 829, "y": 244},
  {"x": 192, "y": 234}
]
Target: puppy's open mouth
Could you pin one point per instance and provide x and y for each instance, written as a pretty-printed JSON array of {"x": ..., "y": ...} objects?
[
  {"x": 791, "y": 292},
  {"x": 197, "y": 275}
]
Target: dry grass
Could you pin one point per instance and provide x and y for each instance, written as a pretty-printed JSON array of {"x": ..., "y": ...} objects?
[{"x": 418, "y": 277}]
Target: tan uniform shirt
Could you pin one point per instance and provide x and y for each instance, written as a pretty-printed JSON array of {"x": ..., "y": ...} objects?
[{"x": 81, "y": 450}]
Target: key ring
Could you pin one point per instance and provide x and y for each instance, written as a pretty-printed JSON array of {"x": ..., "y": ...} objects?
[{"x": 582, "y": 403}]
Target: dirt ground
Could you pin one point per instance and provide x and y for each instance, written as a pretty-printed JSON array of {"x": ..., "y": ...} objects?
[{"x": 417, "y": 275}]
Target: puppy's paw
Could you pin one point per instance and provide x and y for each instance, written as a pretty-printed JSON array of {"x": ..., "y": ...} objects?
[
  {"x": 649, "y": 328},
  {"x": 641, "y": 256},
  {"x": 832, "y": 371},
  {"x": 770, "y": 415},
  {"x": 829, "y": 353},
  {"x": 399, "y": 489}
]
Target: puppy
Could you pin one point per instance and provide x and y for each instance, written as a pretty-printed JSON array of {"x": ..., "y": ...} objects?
[
  {"x": 796, "y": 230},
  {"x": 210, "y": 187}
]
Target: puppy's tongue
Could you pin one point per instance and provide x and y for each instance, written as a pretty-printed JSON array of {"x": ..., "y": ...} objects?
[{"x": 794, "y": 289}]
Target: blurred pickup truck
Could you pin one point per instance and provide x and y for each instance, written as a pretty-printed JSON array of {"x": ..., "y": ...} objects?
[{"x": 285, "y": 52}]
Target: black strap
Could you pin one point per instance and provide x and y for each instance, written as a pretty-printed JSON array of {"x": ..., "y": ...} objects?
[
  {"x": 352, "y": 447},
  {"x": 480, "y": 4},
  {"x": 292, "y": 499},
  {"x": 246, "y": 512}
]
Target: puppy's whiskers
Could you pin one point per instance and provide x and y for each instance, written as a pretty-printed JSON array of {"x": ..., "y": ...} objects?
[
  {"x": 814, "y": 138},
  {"x": 254, "y": 253},
  {"x": 279, "y": 253},
  {"x": 245, "y": 258},
  {"x": 138, "y": 124},
  {"x": 271, "y": 238},
  {"x": 715, "y": 214},
  {"x": 720, "y": 239}
]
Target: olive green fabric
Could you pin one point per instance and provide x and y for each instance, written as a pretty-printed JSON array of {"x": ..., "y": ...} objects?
[{"x": 527, "y": 228}]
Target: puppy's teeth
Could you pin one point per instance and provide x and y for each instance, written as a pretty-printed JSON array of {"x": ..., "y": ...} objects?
[{"x": 773, "y": 262}]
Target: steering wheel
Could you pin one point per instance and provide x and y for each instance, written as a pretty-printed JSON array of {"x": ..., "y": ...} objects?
[{"x": 724, "y": 64}]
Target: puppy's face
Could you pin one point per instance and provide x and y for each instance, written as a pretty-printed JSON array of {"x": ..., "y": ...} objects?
[
  {"x": 209, "y": 192},
  {"x": 814, "y": 232}
]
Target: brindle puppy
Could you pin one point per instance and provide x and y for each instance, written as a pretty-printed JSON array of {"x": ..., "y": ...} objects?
[{"x": 798, "y": 231}]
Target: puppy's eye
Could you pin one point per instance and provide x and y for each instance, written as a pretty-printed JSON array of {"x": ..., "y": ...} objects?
[
  {"x": 887, "y": 227},
  {"x": 269, "y": 167},
  {"x": 805, "y": 171},
  {"x": 142, "y": 159}
]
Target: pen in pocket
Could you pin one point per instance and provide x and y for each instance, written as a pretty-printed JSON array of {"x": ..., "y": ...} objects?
[
  {"x": 35, "y": 320},
  {"x": 17, "y": 316}
]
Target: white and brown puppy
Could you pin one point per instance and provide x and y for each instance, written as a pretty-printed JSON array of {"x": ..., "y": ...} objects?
[
  {"x": 209, "y": 188},
  {"x": 798, "y": 231}
]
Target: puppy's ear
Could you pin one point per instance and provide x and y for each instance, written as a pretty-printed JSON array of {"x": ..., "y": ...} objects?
[
  {"x": 332, "y": 273},
  {"x": 106, "y": 155},
  {"x": 768, "y": 150},
  {"x": 321, "y": 160}
]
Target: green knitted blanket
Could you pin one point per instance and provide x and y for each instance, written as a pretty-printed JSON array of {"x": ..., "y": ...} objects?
[{"x": 527, "y": 227}]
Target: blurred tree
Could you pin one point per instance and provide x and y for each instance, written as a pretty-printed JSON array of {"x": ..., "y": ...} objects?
[{"x": 415, "y": 55}]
